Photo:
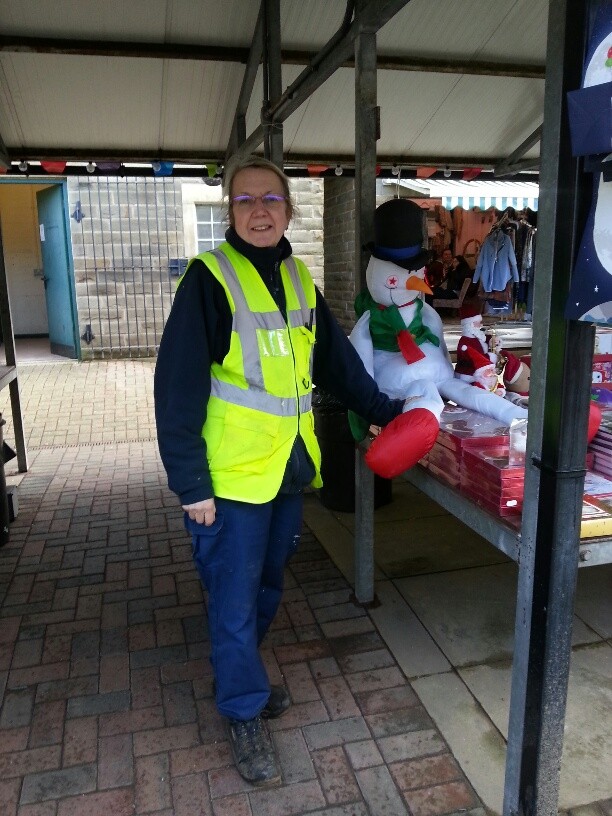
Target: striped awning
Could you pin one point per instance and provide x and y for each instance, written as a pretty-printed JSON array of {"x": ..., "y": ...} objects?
[{"x": 469, "y": 194}]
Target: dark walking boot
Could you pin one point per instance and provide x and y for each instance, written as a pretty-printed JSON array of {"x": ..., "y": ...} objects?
[
  {"x": 253, "y": 752},
  {"x": 278, "y": 703}
]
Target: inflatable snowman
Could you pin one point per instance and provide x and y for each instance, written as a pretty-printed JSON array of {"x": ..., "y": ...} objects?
[{"x": 400, "y": 339}]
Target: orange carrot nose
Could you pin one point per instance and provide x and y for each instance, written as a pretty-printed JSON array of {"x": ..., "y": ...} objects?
[{"x": 418, "y": 284}]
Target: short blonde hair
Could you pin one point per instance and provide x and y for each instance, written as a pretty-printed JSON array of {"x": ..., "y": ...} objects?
[{"x": 259, "y": 163}]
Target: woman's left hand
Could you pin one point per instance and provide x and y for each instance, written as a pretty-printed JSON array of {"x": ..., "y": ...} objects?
[{"x": 202, "y": 512}]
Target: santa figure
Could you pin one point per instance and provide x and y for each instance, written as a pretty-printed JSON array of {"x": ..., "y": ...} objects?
[
  {"x": 485, "y": 373},
  {"x": 472, "y": 337}
]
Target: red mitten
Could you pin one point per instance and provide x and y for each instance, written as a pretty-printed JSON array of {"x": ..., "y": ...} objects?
[
  {"x": 594, "y": 420},
  {"x": 402, "y": 443},
  {"x": 407, "y": 345}
]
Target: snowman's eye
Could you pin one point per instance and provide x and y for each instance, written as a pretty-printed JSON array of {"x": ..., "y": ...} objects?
[{"x": 392, "y": 281}]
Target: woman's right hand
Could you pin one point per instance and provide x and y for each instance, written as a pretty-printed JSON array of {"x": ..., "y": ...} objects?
[{"x": 202, "y": 512}]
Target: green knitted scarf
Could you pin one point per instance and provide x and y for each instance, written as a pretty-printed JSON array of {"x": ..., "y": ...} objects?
[{"x": 386, "y": 323}]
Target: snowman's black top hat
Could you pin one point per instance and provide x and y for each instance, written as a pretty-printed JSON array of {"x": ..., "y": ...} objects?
[{"x": 399, "y": 234}]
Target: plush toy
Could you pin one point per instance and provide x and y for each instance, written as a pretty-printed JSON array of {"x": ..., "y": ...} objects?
[
  {"x": 401, "y": 342},
  {"x": 516, "y": 379},
  {"x": 517, "y": 376}
]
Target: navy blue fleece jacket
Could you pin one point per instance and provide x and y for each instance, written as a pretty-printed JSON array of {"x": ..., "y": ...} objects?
[{"x": 198, "y": 332}]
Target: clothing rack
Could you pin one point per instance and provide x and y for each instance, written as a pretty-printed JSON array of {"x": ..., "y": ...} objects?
[{"x": 502, "y": 221}]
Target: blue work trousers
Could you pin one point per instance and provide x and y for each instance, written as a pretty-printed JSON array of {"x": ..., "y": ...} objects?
[{"x": 241, "y": 560}]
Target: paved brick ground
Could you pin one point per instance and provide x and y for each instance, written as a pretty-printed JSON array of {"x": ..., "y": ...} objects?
[
  {"x": 107, "y": 704},
  {"x": 80, "y": 403},
  {"x": 105, "y": 683},
  {"x": 105, "y": 687}
]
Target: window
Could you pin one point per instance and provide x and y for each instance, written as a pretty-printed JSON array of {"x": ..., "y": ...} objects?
[{"x": 209, "y": 226}]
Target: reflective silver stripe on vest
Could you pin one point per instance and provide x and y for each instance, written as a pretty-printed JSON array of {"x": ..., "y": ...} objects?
[
  {"x": 301, "y": 316},
  {"x": 246, "y": 324},
  {"x": 259, "y": 400}
]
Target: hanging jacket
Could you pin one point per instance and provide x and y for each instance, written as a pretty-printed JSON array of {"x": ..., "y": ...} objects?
[
  {"x": 496, "y": 262},
  {"x": 261, "y": 392}
]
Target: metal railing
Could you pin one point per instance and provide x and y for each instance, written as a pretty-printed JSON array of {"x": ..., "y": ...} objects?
[{"x": 127, "y": 248}]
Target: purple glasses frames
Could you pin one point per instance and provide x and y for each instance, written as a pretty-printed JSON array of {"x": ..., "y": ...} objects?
[{"x": 269, "y": 201}]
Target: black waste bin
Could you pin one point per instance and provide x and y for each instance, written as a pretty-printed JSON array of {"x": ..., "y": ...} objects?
[
  {"x": 4, "y": 506},
  {"x": 338, "y": 457}
]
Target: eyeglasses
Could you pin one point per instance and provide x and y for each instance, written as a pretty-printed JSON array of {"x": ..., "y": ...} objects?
[{"x": 270, "y": 201}]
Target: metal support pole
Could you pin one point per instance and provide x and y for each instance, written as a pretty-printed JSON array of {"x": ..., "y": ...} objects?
[
  {"x": 6, "y": 322},
  {"x": 364, "y": 530},
  {"x": 556, "y": 449},
  {"x": 365, "y": 204},
  {"x": 238, "y": 133},
  {"x": 273, "y": 131},
  {"x": 374, "y": 14},
  {"x": 366, "y": 113}
]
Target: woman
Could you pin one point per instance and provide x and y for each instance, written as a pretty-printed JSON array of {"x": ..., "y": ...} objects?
[
  {"x": 459, "y": 271},
  {"x": 437, "y": 282},
  {"x": 247, "y": 335}
]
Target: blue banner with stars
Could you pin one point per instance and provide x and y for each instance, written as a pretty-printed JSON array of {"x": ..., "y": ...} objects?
[{"x": 590, "y": 113}]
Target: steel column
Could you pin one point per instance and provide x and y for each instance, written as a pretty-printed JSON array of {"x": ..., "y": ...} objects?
[
  {"x": 238, "y": 133},
  {"x": 374, "y": 15},
  {"x": 273, "y": 83},
  {"x": 506, "y": 167},
  {"x": 365, "y": 204},
  {"x": 556, "y": 448}
]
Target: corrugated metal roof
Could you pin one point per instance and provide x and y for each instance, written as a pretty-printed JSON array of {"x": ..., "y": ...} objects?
[{"x": 184, "y": 108}]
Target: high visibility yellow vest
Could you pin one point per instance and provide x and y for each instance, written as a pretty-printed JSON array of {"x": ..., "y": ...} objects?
[{"x": 261, "y": 395}]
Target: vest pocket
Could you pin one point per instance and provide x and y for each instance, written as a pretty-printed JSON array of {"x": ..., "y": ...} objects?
[
  {"x": 303, "y": 346},
  {"x": 247, "y": 442}
]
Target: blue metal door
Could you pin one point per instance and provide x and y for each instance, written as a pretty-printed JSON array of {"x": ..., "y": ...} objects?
[{"x": 58, "y": 277}]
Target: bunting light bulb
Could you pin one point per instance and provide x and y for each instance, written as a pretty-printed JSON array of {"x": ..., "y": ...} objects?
[
  {"x": 23, "y": 166},
  {"x": 338, "y": 171},
  {"x": 395, "y": 170},
  {"x": 90, "y": 167},
  {"x": 156, "y": 165},
  {"x": 447, "y": 172}
]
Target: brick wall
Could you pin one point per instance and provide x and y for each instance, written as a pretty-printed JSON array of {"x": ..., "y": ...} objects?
[{"x": 339, "y": 228}]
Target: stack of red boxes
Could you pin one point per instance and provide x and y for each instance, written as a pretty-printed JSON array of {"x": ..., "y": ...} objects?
[
  {"x": 471, "y": 453},
  {"x": 489, "y": 479},
  {"x": 460, "y": 429},
  {"x": 600, "y": 448}
]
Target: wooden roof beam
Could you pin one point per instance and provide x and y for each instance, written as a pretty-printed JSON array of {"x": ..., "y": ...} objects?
[{"x": 211, "y": 53}]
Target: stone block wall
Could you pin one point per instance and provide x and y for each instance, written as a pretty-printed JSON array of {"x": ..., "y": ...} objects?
[
  {"x": 124, "y": 231},
  {"x": 124, "y": 234},
  {"x": 306, "y": 230}
]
